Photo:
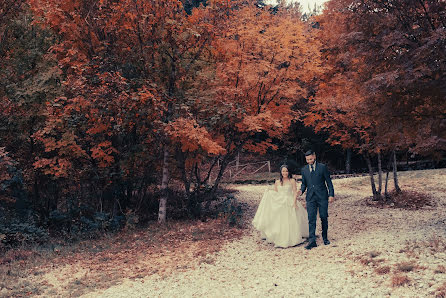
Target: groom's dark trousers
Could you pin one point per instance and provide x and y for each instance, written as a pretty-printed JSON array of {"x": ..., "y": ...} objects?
[{"x": 316, "y": 183}]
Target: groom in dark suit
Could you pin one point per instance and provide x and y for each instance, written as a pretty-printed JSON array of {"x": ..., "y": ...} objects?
[{"x": 315, "y": 180}]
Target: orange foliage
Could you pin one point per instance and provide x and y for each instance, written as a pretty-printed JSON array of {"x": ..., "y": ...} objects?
[
  {"x": 264, "y": 62},
  {"x": 192, "y": 137},
  {"x": 380, "y": 89}
]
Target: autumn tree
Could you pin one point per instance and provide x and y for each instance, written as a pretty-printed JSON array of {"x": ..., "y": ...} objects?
[
  {"x": 96, "y": 134},
  {"x": 263, "y": 62},
  {"x": 28, "y": 78},
  {"x": 379, "y": 77},
  {"x": 140, "y": 80},
  {"x": 128, "y": 65}
]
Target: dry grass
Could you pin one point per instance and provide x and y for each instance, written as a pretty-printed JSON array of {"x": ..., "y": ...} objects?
[
  {"x": 399, "y": 280},
  {"x": 434, "y": 245},
  {"x": 405, "y": 266},
  {"x": 95, "y": 264},
  {"x": 383, "y": 270},
  {"x": 440, "y": 269},
  {"x": 441, "y": 291},
  {"x": 89, "y": 265},
  {"x": 406, "y": 199},
  {"x": 16, "y": 255},
  {"x": 365, "y": 261},
  {"x": 412, "y": 200},
  {"x": 370, "y": 259}
]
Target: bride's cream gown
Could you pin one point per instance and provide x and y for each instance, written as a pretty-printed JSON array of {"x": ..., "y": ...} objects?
[{"x": 277, "y": 219}]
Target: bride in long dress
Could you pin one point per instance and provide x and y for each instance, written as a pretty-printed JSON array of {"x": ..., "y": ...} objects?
[{"x": 280, "y": 218}]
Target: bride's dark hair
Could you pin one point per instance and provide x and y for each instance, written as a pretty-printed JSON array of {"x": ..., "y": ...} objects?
[{"x": 281, "y": 177}]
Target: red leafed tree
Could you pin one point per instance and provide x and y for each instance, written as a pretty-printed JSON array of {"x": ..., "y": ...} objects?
[
  {"x": 127, "y": 65},
  {"x": 381, "y": 90},
  {"x": 111, "y": 108},
  {"x": 263, "y": 62},
  {"x": 138, "y": 74}
]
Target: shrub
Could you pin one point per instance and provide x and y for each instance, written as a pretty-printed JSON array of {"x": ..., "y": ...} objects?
[
  {"x": 231, "y": 210},
  {"x": 83, "y": 222},
  {"x": 15, "y": 234}
]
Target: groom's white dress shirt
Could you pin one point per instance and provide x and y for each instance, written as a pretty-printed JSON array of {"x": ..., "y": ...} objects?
[{"x": 312, "y": 167}]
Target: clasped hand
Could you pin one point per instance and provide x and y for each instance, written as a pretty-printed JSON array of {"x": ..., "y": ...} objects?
[{"x": 330, "y": 200}]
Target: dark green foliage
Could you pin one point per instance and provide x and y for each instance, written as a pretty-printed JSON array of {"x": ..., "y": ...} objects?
[
  {"x": 20, "y": 233},
  {"x": 14, "y": 188},
  {"x": 231, "y": 210},
  {"x": 83, "y": 222},
  {"x": 192, "y": 206},
  {"x": 189, "y": 5}
]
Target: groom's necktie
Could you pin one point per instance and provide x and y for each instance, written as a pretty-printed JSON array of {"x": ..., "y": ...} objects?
[{"x": 312, "y": 171}]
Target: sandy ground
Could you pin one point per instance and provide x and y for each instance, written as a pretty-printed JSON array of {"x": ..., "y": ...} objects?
[{"x": 375, "y": 252}]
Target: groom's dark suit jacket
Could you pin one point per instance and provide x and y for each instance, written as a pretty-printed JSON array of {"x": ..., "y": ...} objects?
[{"x": 316, "y": 184}]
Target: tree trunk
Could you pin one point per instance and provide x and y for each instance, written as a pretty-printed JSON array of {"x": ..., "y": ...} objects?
[
  {"x": 348, "y": 161},
  {"x": 182, "y": 165},
  {"x": 389, "y": 165},
  {"x": 164, "y": 189},
  {"x": 380, "y": 174},
  {"x": 223, "y": 165},
  {"x": 208, "y": 179},
  {"x": 386, "y": 184},
  {"x": 171, "y": 89},
  {"x": 221, "y": 171},
  {"x": 395, "y": 173},
  {"x": 372, "y": 178}
]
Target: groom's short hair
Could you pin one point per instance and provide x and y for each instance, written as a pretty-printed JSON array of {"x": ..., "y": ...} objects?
[{"x": 309, "y": 152}]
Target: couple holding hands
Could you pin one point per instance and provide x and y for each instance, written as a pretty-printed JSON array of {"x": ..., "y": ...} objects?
[{"x": 282, "y": 219}]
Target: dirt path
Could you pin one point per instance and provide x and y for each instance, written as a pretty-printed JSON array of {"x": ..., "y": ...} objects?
[{"x": 374, "y": 253}]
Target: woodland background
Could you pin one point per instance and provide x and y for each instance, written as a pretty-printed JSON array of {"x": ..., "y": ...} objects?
[{"x": 116, "y": 113}]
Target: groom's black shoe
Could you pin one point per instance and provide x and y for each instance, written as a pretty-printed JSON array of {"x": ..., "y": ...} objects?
[
  {"x": 311, "y": 245},
  {"x": 326, "y": 241}
]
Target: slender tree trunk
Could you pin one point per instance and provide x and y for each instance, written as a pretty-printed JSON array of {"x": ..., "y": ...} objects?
[
  {"x": 380, "y": 174},
  {"x": 223, "y": 165},
  {"x": 164, "y": 189},
  {"x": 372, "y": 178},
  {"x": 395, "y": 173},
  {"x": 348, "y": 161},
  {"x": 389, "y": 165},
  {"x": 129, "y": 194},
  {"x": 182, "y": 165},
  {"x": 207, "y": 179},
  {"x": 165, "y": 179}
]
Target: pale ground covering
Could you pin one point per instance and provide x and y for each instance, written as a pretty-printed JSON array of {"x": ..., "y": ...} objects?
[{"x": 374, "y": 253}]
